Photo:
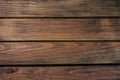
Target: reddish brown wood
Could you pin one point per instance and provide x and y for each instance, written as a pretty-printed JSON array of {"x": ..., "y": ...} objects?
[{"x": 60, "y": 73}]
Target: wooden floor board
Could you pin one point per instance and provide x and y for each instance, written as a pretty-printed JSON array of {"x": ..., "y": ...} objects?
[
  {"x": 60, "y": 73},
  {"x": 33, "y": 53},
  {"x": 59, "y": 29},
  {"x": 59, "y": 8}
]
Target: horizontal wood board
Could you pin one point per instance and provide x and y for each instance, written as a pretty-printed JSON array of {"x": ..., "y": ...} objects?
[
  {"x": 60, "y": 73},
  {"x": 59, "y": 29},
  {"x": 59, "y": 8},
  {"x": 42, "y": 53}
]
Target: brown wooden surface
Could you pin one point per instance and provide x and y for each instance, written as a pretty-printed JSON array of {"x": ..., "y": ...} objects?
[
  {"x": 60, "y": 73},
  {"x": 33, "y": 53},
  {"x": 59, "y": 8},
  {"x": 60, "y": 29},
  {"x": 27, "y": 26}
]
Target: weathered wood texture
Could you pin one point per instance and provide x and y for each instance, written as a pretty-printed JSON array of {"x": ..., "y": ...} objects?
[
  {"x": 29, "y": 53},
  {"x": 60, "y": 73},
  {"x": 60, "y": 29},
  {"x": 59, "y": 8}
]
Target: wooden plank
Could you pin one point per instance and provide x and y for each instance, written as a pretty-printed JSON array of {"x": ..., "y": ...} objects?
[
  {"x": 60, "y": 73},
  {"x": 32, "y": 53},
  {"x": 59, "y": 8},
  {"x": 60, "y": 29}
]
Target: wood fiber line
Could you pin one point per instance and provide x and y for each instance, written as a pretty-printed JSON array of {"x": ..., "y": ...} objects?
[
  {"x": 59, "y": 8},
  {"x": 33, "y": 53},
  {"x": 60, "y": 73},
  {"x": 59, "y": 29}
]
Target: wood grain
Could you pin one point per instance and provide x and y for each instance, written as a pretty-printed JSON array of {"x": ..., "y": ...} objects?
[
  {"x": 59, "y": 29},
  {"x": 59, "y": 8},
  {"x": 60, "y": 73},
  {"x": 33, "y": 53}
]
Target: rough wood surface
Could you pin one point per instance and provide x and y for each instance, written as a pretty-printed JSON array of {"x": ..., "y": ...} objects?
[
  {"x": 60, "y": 73},
  {"x": 59, "y": 8},
  {"x": 60, "y": 29},
  {"x": 32, "y": 53}
]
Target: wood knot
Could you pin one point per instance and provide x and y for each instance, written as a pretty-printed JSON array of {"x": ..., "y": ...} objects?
[{"x": 11, "y": 70}]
